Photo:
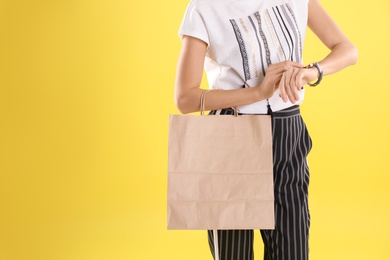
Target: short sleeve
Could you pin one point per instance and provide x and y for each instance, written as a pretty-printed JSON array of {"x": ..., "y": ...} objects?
[{"x": 193, "y": 24}]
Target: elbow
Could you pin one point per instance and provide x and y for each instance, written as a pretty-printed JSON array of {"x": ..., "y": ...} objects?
[
  {"x": 182, "y": 104},
  {"x": 347, "y": 52},
  {"x": 350, "y": 53},
  {"x": 353, "y": 54}
]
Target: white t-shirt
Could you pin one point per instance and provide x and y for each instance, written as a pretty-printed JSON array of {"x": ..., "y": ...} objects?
[{"x": 244, "y": 37}]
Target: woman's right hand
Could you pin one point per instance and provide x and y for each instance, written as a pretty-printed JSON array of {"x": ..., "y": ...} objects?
[{"x": 274, "y": 75}]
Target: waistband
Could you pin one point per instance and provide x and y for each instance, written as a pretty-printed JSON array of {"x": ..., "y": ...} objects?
[{"x": 287, "y": 112}]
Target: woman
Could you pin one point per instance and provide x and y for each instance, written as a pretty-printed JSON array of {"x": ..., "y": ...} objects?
[{"x": 251, "y": 51}]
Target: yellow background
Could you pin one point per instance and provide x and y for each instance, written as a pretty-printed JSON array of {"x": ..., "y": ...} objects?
[{"x": 86, "y": 87}]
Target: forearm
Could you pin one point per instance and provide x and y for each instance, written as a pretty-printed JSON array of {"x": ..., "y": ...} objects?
[
  {"x": 340, "y": 57},
  {"x": 343, "y": 52},
  {"x": 189, "y": 101}
]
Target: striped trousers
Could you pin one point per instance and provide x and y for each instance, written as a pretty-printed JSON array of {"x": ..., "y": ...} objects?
[{"x": 289, "y": 239}]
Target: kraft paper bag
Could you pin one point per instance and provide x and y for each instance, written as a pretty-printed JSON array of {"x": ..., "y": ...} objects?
[{"x": 220, "y": 172}]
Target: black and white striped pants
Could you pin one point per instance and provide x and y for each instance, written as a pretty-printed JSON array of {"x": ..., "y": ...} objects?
[{"x": 289, "y": 240}]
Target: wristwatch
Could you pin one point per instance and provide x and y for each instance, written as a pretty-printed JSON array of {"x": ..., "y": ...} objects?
[{"x": 320, "y": 72}]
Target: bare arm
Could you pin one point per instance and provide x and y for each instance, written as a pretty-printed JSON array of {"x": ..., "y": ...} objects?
[
  {"x": 189, "y": 77},
  {"x": 342, "y": 53}
]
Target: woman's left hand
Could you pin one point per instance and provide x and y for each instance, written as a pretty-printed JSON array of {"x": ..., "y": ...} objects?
[{"x": 292, "y": 81}]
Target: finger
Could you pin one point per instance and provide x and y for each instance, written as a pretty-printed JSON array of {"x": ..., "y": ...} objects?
[
  {"x": 295, "y": 81},
  {"x": 291, "y": 75},
  {"x": 288, "y": 87},
  {"x": 282, "y": 89},
  {"x": 283, "y": 66},
  {"x": 289, "y": 92},
  {"x": 293, "y": 86},
  {"x": 295, "y": 94},
  {"x": 292, "y": 64},
  {"x": 275, "y": 68}
]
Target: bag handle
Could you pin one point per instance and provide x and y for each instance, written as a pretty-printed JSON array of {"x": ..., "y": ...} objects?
[{"x": 203, "y": 103}]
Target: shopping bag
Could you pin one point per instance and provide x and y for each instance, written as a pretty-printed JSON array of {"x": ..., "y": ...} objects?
[{"x": 220, "y": 172}]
